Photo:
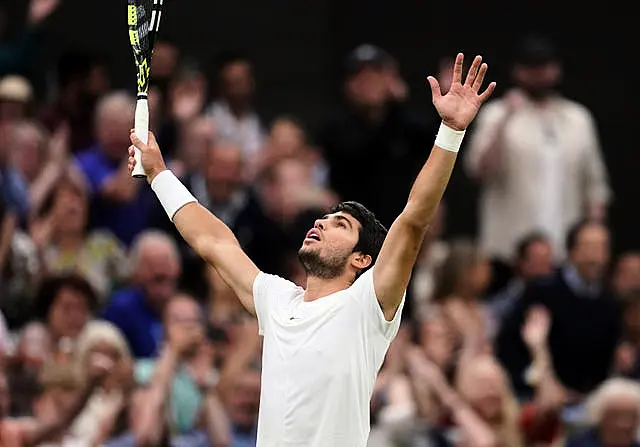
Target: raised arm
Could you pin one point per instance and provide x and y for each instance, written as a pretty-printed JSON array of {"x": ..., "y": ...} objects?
[
  {"x": 457, "y": 109},
  {"x": 204, "y": 232}
]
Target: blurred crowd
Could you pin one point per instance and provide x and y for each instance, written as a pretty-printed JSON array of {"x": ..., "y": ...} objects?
[{"x": 113, "y": 333}]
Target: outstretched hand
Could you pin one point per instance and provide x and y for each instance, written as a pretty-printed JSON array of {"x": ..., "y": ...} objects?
[
  {"x": 152, "y": 161},
  {"x": 461, "y": 103}
]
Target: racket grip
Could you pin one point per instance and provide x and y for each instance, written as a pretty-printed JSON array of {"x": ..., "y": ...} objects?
[{"x": 141, "y": 126}]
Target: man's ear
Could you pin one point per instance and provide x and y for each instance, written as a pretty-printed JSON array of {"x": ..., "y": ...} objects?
[{"x": 361, "y": 261}]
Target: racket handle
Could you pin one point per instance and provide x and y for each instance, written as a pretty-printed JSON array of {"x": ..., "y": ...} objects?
[{"x": 141, "y": 126}]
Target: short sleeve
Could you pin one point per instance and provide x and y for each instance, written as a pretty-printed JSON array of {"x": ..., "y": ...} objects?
[
  {"x": 364, "y": 291},
  {"x": 271, "y": 292}
]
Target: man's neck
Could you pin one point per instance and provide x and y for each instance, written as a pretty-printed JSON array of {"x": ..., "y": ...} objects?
[{"x": 321, "y": 287}]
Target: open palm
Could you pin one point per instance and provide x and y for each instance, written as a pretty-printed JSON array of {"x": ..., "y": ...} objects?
[{"x": 461, "y": 103}]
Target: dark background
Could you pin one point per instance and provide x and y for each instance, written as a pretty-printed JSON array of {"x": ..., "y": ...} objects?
[{"x": 298, "y": 47}]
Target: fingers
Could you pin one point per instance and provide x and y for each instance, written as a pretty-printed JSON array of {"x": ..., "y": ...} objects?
[
  {"x": 487, "y": 93},
  {"x": 435, "y": 88},
  {"x": 477, "y": 83},
  {"x": 457, "y": 69},
  {"x": 137, "y": 142},
  {"x": 473, "y": 71}
]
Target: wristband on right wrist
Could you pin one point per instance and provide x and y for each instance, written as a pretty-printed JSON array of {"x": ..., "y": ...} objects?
[{"x": 172, "y": 194}]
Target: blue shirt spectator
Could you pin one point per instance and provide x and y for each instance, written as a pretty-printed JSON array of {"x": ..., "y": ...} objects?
[{"x": 138, "y": 322}]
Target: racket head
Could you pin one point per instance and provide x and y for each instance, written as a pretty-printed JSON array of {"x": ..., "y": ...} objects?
[{"x": 143, "y": 18}]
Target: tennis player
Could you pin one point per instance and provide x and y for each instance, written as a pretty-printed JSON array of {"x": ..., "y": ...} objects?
[{"x": 324, "y": 344}]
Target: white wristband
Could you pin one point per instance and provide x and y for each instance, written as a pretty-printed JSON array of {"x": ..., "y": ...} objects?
[
  {"x": 449, "y": 139},
  {"x": 172, "y": 194}
]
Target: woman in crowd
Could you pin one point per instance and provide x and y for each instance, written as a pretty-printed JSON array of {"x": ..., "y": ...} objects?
[{"x": 65, "y": 245}]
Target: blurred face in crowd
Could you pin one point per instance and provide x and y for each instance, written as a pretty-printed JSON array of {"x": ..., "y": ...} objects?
[
  {"x": 437, "y": 341},
  {"x": 198, "y": 139},
  {"x": 183, "y": 313},
  {"x": 68, "y": 314},
  {"x": 28, "y": 150},
  {"x": 590, "y": 255},
  {"x": 113, "y": 124},
  {"x": 223, "y": 172},
  {"x": 475, "y": 280},
  {"x": 165, "y": 60},
  {"x": 328, "y": 248},
  {"x": 244, "y": 400},
  {"x": 537, "y": 261},
  {"x": 70, "y": 209},
  {"x": 626, "y": 277},
  {"x": 157, "y": 273},
  {"x": 368, "y": 88},
  {"x": 286, "y": 138},
  {"x": 482, "y": 384},
  {"x": 619, "y": 422},
  {"x": 237, "y": 84},
  {"x": 98, "y": 81},
  {"x": 538, "y": 81},
  {"x": 289, "y": 179}
]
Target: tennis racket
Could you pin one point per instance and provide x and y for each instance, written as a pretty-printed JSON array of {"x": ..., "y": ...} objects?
[{"x": 144, "y": 22}]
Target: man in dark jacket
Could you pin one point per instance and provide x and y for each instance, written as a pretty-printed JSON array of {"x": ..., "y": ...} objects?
[{"x": 585, "y": 317}]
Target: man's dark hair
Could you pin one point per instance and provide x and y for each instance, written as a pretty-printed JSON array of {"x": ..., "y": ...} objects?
[
  {"x": 574, "y": 233},
  {"x": 372, "y": 232},
  {"x": 51, "y": 287},
  {"x": 227, "y": 58},
  {"x": 522, "y": 249}
]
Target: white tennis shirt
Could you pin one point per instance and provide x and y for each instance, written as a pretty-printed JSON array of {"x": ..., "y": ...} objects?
[{"x": 320, "y": 361}]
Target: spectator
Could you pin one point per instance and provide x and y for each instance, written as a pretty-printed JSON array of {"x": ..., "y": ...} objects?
[
  {"x": 537, "y": 157},
  {"x": 534, "y": 260},
  {"x": 118, "y": 203},
  {"x": 614, "y": 412},
  {"x": 137, "y": 310},
  {"x": 461, "y": 282},
  {"x": 375, "y": 133},
  {"x": 102, "y": 342},
  {"x": 233, "y": 111},
  {"x": 63, "y": 397},
  {"x": 16, "y": 95},
  {"x": 65, "y": 245},
  {"x": 13, "y": 186},
  {"x": 180, "y": 383},
  {"x": 626, "y": 274},
  {"x": 585, "y": 316},
  {"x": 65, "y": 305}
]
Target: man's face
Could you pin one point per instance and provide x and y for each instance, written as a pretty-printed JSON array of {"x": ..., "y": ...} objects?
[
  {"x": 328, "y": 247},
  {"x": 244, "y": 400},
  {"x": 368, "y": 88},
  {"x": 627, "y": 275},
  {"x": 113, "y": 134},
  {"x": 538, "y": 81},
  {"x": 538, "y": 261},
  {"x": 237, "y": 82},
  {"x": 620, "y": 421},
  {"x": 158, "y": 275},
  {"x": 183, "y": 315},
  {"x": 590, "y": 255},
  {"x": 223, "y": 172}
]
